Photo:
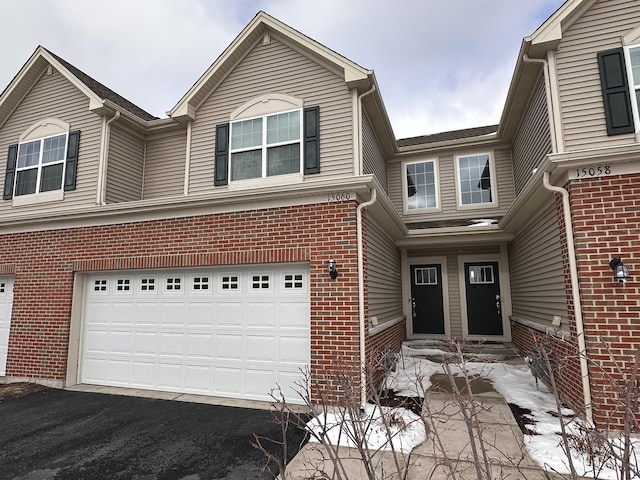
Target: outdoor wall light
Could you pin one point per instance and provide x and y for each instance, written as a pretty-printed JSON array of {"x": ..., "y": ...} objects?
[
  {"x": 620, "y": 272},
  {"x": 332, "y": 266}
]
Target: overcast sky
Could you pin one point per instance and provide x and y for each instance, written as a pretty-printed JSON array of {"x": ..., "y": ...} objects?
[{"x": 441, "y": 64}]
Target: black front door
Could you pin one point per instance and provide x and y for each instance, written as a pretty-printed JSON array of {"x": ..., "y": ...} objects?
[
  {"x": 427, "y": 308},
  {"x": 484, "y": 304}
]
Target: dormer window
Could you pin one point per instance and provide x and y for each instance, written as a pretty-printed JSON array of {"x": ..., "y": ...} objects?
[
  {"x": 40, "y": 166},
  {"x": 266, "y": 146}
]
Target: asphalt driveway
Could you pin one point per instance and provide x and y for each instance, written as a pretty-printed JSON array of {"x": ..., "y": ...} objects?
[{"x": 64, "y": 435}]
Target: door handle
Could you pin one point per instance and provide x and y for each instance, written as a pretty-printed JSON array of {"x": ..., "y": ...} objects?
[{"x": 413, "y": 307}]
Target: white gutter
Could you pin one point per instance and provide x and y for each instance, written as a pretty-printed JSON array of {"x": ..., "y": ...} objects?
[
  {"x": 547, "y": 89},
  {"x": 363, "y": 358},
  {"x": 187, "y": 163},
  {"x": 575, "y": 293},
  {"x": 104, "y": 159}
]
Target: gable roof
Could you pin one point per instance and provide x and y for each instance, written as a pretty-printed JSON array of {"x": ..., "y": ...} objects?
[
  {"x": 262, "y": 23},
  {"x": 546, "y": 37},
  {"x": 96, "y": 92}
]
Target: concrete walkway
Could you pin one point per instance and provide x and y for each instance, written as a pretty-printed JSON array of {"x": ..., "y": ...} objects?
[{"x": 447, "y": 453}]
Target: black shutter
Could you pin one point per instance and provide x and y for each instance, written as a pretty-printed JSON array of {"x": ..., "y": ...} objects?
[
  {"x": 10, "y": 175},
  {"x": 311, "y": 130},
  {"x": 71, "y": 167},
  {"x": 615, "y": 92},
  {"x": 221, "y": 167}
]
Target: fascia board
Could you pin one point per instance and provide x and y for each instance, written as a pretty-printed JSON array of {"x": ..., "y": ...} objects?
[
  {"x": 94, "y": 100},
  {"x": 181, "y": 206}
]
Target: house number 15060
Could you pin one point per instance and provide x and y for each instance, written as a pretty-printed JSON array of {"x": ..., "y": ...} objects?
[
  {"x": 338, "y": 197},
  {"x": 597, "y": 171}
]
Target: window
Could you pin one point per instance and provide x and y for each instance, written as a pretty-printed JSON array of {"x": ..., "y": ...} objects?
[
  {"x": 426, "y": 276},
  {"x": 475, "y": 180},
  {"x": 273, "y": 145},
  {"x": 481, "y": 274},
  {"x": 40, "y": 165},
  {"x": 266, "y": 146},
  {"x": 43, "y": 165},
  {"x": 421, "y": 185}
]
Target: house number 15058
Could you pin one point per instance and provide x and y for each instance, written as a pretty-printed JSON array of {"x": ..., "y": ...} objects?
[
  {"x": 596, "y": 171},
  {"x": 338, "y": 197}
]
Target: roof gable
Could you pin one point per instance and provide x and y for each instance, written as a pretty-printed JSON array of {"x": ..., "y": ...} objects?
[
  {"x": 258, "y": 30},
  {"x": 40, "y": 60}
]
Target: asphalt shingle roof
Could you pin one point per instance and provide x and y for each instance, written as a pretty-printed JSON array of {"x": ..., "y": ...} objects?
[
  {"x": 447, "y": 136},
  {"x": 104, "y": 92}
]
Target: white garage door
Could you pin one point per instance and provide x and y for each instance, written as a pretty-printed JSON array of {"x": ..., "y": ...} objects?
[
  {"x": 6, "y": 301},
  {"x": 236, "y": 332}
]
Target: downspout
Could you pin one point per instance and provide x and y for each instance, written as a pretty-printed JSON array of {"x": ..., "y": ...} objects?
[
  {"x": 359, "y": 128},
  {"x": 575, "y": 294},
  {"x": 187, "y": 163},
  {"x": 363, "y": 357},
  {"x": 547, "y": 89},
  {"x": 362, "y": 206},
  {"x": 105, "y": 158}
]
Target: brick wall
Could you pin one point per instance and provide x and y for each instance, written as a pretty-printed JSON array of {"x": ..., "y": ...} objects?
[
  {"x": 606, "y": 218},
  {"x": 44, "y": 264}
]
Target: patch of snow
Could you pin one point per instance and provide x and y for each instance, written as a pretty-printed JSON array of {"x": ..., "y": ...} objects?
[{"x": 406, "y": 429}]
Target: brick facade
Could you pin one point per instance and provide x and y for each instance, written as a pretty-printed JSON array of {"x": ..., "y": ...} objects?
[
  {"x": 44, "y": 263},
  {"x": 606, "y": 223}
]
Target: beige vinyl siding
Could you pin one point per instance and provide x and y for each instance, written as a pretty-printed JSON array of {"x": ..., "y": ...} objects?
[
  {"x": 373, "y": 159},
  {"x": 537, "y": 279},
  {"x": 532, "y": 143},
  {"x": 54, "y": 96},
  {"x": 384, "y": 279},
  {"x": 124, "y": 166},
  {"x": 448, "y": 189},
  {"x": 600, "y": 28},
  {"x": 453, "y": 274},
  {"x": 164, "y": 166},
  {"x": 276, "y": 68}
]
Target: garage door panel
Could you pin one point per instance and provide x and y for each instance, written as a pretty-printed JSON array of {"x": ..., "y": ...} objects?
[
  {"x": 262, "y": 348},
  {"x": 198, "y": 378},
  {"x": 171, "y": 344},
  {"x": 228, "y": 380},
  {"x": 219, "y": 332},
  {"x": 170, "y": 375},
  {"x": 293, "y": 350},
  {"x": 143, "y": 373},
  {"x": 117, "y": 372},
  {"x": 261, "y": 314},
  {"x": 145, "y": 343},
  {"x": 97, "y": 341},
  {"x": 202, "y": 313},
  {"x": 120, "y": 341},
  {"x": 229, "y": 347},
  {"x": 200, "y": 346}
]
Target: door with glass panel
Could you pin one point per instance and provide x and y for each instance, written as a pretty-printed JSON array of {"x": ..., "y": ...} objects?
[
  {"x": 484, "y": 303},
  {"x": 427, "y": 307}
]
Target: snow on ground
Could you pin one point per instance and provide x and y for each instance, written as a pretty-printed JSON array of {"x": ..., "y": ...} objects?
[{"x": 514, "y": 382}]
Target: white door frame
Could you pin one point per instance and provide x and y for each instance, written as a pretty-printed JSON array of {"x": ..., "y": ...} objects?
[
  {"x": 407, "y": 307},
  {"x": 9, "y": 280},
  {"x": 505, "y": 293}
]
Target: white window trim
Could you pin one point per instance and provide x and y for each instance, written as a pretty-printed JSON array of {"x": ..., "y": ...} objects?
[
  {"x": 632, "y": 88},
  {"x": 494, "y": 183},
  {"x": 50, "y": 195},
  {"x": 405, "y": 187},
  {"x": 263, "y": 147}
]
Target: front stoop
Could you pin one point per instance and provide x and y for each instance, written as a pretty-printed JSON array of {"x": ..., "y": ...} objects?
[{"x": 503, "y": 441}]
